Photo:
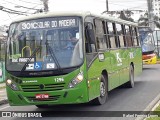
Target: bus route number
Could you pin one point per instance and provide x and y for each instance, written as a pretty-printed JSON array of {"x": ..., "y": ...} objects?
[{"x": 59, "y": 80}]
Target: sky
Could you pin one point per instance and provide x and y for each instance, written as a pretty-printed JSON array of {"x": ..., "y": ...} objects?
[{"x": 96, "y": 6}]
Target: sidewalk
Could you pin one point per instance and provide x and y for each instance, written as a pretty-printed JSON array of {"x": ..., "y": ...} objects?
[{"x": 3, "y": 94}]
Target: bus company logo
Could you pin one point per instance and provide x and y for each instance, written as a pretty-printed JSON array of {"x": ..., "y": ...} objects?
[
  {"x": 41, "y": 86},
  {"x": 131, "y": 55},
  {"x": 119, "y": 60}
]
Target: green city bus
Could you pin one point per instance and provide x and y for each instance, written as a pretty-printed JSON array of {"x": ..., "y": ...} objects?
[{"x": 44, "y": 66}]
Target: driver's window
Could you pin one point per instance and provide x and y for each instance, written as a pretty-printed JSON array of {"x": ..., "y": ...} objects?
[{"x": 90, "y": 47}]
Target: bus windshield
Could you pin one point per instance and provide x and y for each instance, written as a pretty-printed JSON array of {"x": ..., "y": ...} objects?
[
  {"x": 45, "y": 44},
  {"x": 146, "y": 38}
]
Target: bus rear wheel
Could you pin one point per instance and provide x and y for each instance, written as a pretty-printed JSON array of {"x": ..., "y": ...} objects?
[
  {"x": 130, "y": 83},
  {"x": 103, "y": 92}
]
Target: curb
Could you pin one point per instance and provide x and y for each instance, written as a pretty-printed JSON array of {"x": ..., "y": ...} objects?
[
  {"x": 152, "y": 106},
  {"x": 4, "y": 100},
  {"x": 158, "y": 62},
  {"x": 3, "y": 87}
]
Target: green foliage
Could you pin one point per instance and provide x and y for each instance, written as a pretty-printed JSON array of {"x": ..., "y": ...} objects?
[
  {"x": 144, "y": 21},
  {"x": 127, "y": 16},
  {"x": 156, "y": 112}
]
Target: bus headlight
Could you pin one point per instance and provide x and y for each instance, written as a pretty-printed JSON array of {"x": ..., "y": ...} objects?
[
  {"x": 9, "y": 82},
  {"x": 76, "y": 80},
  {"x": 12, "y": 85}
]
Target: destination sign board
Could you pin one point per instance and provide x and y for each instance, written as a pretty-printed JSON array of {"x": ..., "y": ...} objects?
[{"x": 50, "y": 23}]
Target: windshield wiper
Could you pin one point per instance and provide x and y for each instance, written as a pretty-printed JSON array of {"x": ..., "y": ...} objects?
[
  {"x": 30, "y": 58},
  {"x": 53, "y": 56}
]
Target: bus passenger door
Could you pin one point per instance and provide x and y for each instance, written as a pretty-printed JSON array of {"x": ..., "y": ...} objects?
[{"x": 92, "y": 61}]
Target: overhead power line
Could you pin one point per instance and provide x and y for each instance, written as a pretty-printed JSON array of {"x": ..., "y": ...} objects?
[
  {"x": 8, "y": 10},
  {"x": 30, "y": 2},
  {"x": 15, "y": 16},
  {"x": 13, "y": 12},
  {"x": 17, "y": 4},
  {"x": 18, "y": 15}
]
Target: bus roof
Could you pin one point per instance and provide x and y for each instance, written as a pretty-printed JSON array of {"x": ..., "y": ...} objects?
[{"x": 78, "y": 13}]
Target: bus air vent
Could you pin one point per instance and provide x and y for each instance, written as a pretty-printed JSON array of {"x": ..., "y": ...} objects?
[{"x": 46, "y": 87}]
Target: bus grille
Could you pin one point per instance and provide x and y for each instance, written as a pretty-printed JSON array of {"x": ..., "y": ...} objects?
[
  {"x": 51, "y": 98},
  {"x": 42, "y": 87}
]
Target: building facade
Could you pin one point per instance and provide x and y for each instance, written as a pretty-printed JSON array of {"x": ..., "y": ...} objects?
[{"x": 156, "y": 7}]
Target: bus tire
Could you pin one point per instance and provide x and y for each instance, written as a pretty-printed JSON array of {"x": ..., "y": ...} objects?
[
  {"x": 130, "y": 83},
  {"x": 103, "y": 92}
]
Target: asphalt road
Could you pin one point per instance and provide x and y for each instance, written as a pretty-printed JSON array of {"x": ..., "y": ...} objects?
[{"x": 147, "y": 87}]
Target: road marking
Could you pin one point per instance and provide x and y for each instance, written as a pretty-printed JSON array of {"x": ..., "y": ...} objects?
[
  {"x": 5, "y": 107},
  {"x": 150, "y": 106}
]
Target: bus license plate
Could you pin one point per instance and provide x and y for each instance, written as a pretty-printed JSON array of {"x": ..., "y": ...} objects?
[{"x": 42, "y": 96}]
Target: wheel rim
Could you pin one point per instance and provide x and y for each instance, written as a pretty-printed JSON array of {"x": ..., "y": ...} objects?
[{"x": 102, "y": 89}]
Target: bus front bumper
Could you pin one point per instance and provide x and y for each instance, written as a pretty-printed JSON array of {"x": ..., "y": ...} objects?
[
  {"x": 152, "y": 60},
  {"x": 65, "y": 96}
]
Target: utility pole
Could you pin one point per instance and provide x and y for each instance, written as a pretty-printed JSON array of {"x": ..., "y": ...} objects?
[
  {"x": 107, "y": 7},
  {"x": 150, "y": 14},
  {"x": 45, "y": 3}
]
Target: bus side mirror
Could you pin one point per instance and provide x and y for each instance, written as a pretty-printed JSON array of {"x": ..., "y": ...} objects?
[{"x": 90, "y": 35}]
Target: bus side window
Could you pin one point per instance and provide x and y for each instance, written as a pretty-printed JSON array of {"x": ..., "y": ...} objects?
[
  {"x": 111, "y": 36},
  {"x": 132, "y": 35},
  {"x": 90, "y": 38},
  {"x": 100, "y": 34},
  {"x": 107, "y": 34},
  {"x": 128, "y": 36},
  {"x": 135, "y": 37},
  {"x": 120, "y": 35},
  {"x": 124, "y": 37}
]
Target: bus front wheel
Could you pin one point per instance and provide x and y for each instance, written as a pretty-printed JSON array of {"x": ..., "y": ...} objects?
[{"x": 103, "y": 92}]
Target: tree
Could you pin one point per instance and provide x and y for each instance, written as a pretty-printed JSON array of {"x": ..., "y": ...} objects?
[
  {"x": 45, "y": 3},
  {"x": 126, "y": 17},
  {"x": 128, "y": 13},
  {"x": 144, "y": 21}
]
